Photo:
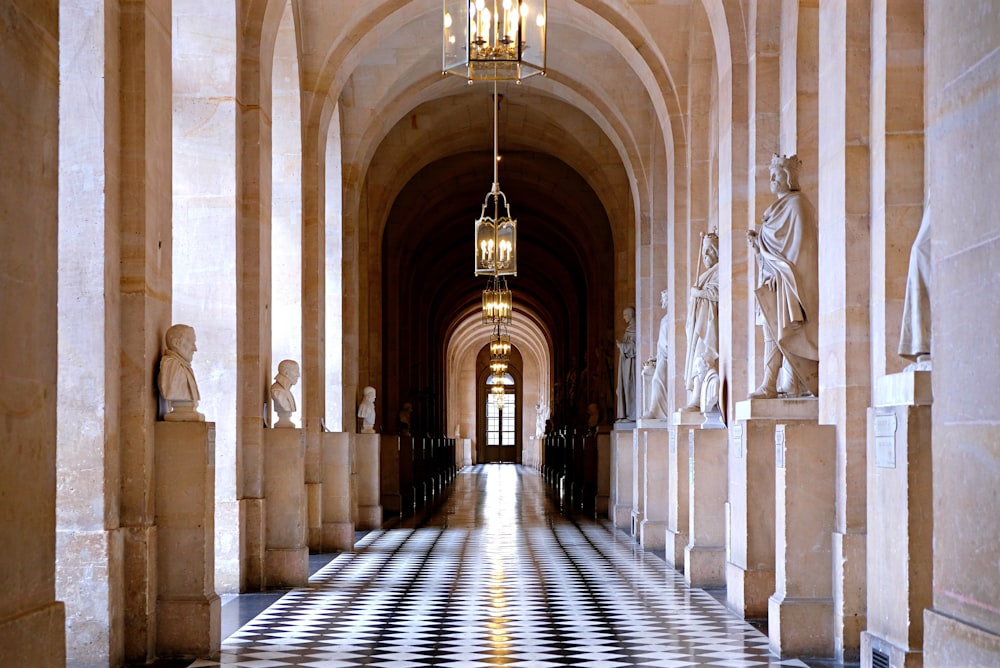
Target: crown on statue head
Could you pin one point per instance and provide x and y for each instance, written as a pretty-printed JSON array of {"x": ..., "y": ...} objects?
[
  {"x": 712, "y": 238},
  {"x": 789, "y": 164}
]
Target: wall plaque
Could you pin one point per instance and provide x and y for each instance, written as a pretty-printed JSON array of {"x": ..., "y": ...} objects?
[
  {"x": 738, "y": 441},
  {"x": 779, "y": 446},
  {"x": 885, "y": 441}
]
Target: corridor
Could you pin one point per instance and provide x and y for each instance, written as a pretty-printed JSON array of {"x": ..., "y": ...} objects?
[{"x": 497, "y": 576}]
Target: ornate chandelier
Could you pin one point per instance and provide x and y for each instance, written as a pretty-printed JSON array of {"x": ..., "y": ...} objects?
[
  {"x": 490, "y": 40},
  {"x": 497, "y": 302}
]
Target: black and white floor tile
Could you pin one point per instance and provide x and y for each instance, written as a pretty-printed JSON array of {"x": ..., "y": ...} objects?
[{"x": 496, "y": 577}]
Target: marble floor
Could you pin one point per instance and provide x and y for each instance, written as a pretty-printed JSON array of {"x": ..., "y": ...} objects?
[{"x": 496, "y": 576}]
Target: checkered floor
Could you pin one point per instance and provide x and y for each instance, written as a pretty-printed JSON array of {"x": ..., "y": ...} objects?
[{"x": 497, "y": 577}]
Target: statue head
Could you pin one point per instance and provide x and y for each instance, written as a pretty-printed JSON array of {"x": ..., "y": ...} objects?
[
  {"x": 710, "y": 249},
  {"x": 290, "y": 370},
  {"x": 784, "y": 173},
  {"x": 628, "y": 314},
  {"x": 368, "y": 393},
  {"x": 181, "y": 340}
]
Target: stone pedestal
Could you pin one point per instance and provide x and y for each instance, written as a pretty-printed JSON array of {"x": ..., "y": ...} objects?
[
  {"x": 800, "y": 613},
  {"x": 705, "y": 554},
  {"x": 638, "y": 484},
  {"x": 750, "y": 543},
  {"x": 286, "y": 556},
  {"x": 900, "y": 533},
  {"x": 366, "y": 480},
  {"x": 338, "y": 523},
  {"x": 653, "y": 440},
  {"x": 388, "y": 462},
  {"x": 603, "y": 496},
  {"x": 464, "y": 448},
  {"x": 622, "y": 473},
  {"x": 678, "y": 476},
  {"x": 188, "y": 611}
]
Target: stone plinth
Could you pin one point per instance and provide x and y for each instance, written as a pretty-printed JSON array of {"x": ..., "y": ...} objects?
[
  {"x": 622, "y": 473},
  {"x": 388, "y": 462},
  {"x": 366, "y": 452},
  {"x": 800, "y": 613},
  {"x": 638, "y": 483},
  {"x": 188, "y": 611},
  {"x": 338, "y": 523},
  {"x": 463, "y": 453},
  {"x": 750, "y": 548},
  {"x": 286, "y": 556},
  {"x": 678, "y": 476},
  {"x": 900, "y": 503},
  {"x": 601, "y": 502},
  {"x": 705, "y": 553},
  {"x": 653, "y": 438}
]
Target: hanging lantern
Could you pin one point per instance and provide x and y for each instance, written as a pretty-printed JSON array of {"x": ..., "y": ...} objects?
[
  {"x": 497, "y": 302},
  {"x": 491, "y": 40}
]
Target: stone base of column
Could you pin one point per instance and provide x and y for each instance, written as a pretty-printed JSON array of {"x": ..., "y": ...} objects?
[
  {"x": 252, "y": 544},
  {"x": 876, "y": 651},
  {"x": 369, "y": 518},
  {"x": 185, "y": 628},
  {"x": 675, "y": 548},
  {"x": 952, "y": 642},
  {"x": 652, "y": 535},
  {"x": 36, "y": 638},
  {"x": 800, "y": 627},
  {"x": 286, "y": 567},
  {"x": 748, "y": 590},
  {"x": 314, "y": 516},
  {"x": 622, "y": 476},
  {"x": 338, "y": 536},
  {"x": 367, "y": 482},
  {"x": 705, "y": 567}
]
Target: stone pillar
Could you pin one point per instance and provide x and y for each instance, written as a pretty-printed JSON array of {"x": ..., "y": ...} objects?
[
  {"x": 653, "y": 438},
  {"x": 601, "y": 502},
  {"x": 286, "y": 556},
  {"x": 900, "y": 537},
  {"x": 338, "y": 523},
  {"x": 622, "y": 473},
  {"x": 678, "y": 479},
  {"x": 800, "y": 613},
  {"x": 366, "y": 482},
  {"x": 188, "y": 611},
  {"x": 32, "y": 622},
  {"x": 751, "y": 540},
  {"x": 705, "y": 554}
]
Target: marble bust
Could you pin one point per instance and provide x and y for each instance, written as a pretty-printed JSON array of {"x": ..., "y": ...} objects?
[
  {"x": 282, "y": 398},
  {"x": 176, "y": 380},
  {"x": 366, "y": 410},
  {"x": 657, "y": 407},
  {"x": 626, "y": 368},
  {"x": 915, "y": 335},
  {"x": 702, "y": 325},
  {"x": 787, "y": 292}
]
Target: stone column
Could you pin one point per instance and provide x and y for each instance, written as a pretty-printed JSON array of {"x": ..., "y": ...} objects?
[
  {"x": 188, "y": 611},
  {"x": 32, "y": 622},
  {"x": 286, "y": 556},
  {"x": 366, "y": 483},
  {"x": 622, "y": 474},
  {"x": 750, "y": 550},
  {"x": 705, "y": 554},
  {"x": 800, "y": 613},
  {"x": 338, "y": 523},
  {"x": 900, "y": 537},
  {"x": 653, "y": 437}
]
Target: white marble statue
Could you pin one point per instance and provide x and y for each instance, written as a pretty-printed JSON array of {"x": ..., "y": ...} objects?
[
  {"x": 282, "y": 398},
  {"x": 176, "y": 380},
  {"x": 787, "y": 250},
  {"x": 702, "y": 326},
  {"x": 915, "y": 336},
  {"x": 657, "y": 407},
  {"x": 366, "y": 410},
  {"x": 626, "y": 368}
]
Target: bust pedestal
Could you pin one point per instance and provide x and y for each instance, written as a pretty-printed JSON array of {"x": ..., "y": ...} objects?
[
  {"x": 366, "y": 454},
  {"x": 338, "y": 523},
  {"x": 900, "y": 499},
  {"x": 622, "y": 474},
  {"x": 286, "y": 555},
  {"x": 188, "y": 611}
]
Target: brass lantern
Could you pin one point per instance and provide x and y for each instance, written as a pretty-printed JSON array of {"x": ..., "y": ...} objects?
[
  {"x": 497, "y": 302},
  {"x": 494, "y": 40}
]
